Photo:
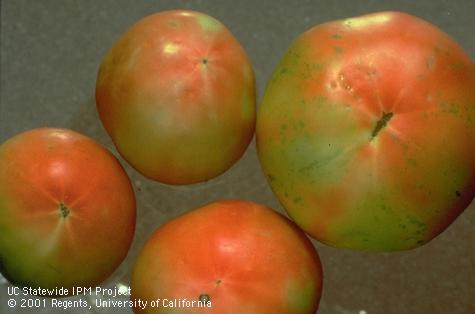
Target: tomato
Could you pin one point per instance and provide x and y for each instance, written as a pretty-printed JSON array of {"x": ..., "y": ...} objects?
[
  {"x": 176, "y": 93},
  {"x": 67, "y": 210},
  {"x": 239, "y": 256},
  {"x": 366, "y": 131}
]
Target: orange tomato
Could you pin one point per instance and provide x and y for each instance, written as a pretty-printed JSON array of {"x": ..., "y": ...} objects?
[
  {"x": 176, "y": 93},
  {"x": 234, "y": 256},
  {"x": 366, "y": 132},
  {"x": 67, "y": 210}
]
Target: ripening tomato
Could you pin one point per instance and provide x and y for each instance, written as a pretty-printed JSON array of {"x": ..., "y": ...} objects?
[
  {"x": 366, "y": 132},
  {"x": 176, "y": 93},
  {"x": 67, "y": 210},
  {"x": 235, "y": 257}
]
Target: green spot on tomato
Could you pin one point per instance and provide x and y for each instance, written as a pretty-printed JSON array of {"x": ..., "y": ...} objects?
[
  {"x": 209, "y": 24},
  {"x": 412, "y": 162},
  {"x": 172, "y": 23},
  {"x": 297, "y": 200},
  {"x": 300, "y": 295}
]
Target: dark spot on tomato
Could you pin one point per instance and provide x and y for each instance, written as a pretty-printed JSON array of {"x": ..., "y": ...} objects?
[
  {"x": 415, "y": 222},
  {"x": 412, "y": 162},
  {"x": 204, "y": 298},
  {"x": 297, "y": 200},
  {"x": 64, "y": 210},
  {"x": 458, "y": 194},
  {"x": 204, "y": 61},
  {"x": 218, "y": 282},
  {"x": 270, "y": 177},
  {"x": 420, "y": 241},
  {"x": 382, "y": 122}
]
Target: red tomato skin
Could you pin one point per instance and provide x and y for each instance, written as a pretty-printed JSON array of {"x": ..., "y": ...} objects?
[
  {"x": 245, "y": 257},
  {"x": 176, "y": 93},
  {"x": 67, "y": 210},
  {"x": 341, "y": 181}
]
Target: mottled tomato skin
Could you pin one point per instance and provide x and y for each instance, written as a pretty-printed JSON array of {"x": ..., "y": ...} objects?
[
  {"x": 246, "y": 258},
  {"x": 67, "y": 210},
  {"x": 176, "y": 93},
  {"x": 366, "y": 132}
]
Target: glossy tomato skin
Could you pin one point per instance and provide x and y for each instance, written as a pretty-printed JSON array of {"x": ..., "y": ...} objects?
[
  {"x": 176, "y": 93},
  {"x": 67, "y": 210},
  {"x": 366, "y": 132},
  {"x": 243, "y": 257}
]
